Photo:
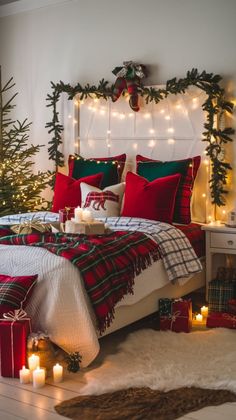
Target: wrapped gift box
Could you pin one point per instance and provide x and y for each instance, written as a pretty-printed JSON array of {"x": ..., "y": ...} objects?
[
  {"x": 175, "y": 315},
  {"x": 66, "y": 214},
  {"x": 221, "y": 319},
  {"x": 219, "y": 294},
  {"x": 88, "y": 228},
  {"x": 13, "y": 343}
]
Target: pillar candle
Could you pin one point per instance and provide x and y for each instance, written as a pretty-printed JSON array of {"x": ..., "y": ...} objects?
[
  {"x": 33, "y": 362},
  {"x": 199, "y": 317},
  {"x": 57, "y": 373},
  {"x": 24, "y": 375},
  {"x": 87, "y": 216},
  {"x": 204, "y": 311},
  {"x": 38, "y": 378},
  {"x": 78, "y": 214}
]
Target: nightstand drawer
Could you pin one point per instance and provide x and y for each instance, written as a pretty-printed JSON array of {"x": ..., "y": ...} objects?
[{"x": 223, "y": 240}]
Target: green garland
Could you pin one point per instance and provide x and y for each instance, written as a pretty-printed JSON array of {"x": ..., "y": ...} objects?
[{"x": 215, "y": 106}]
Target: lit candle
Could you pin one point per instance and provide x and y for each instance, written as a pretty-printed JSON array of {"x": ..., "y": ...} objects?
[
  {"x": 78, "y": 214},
  {"x": 33, "y": 362},
  {"x": 87, "y": 216},
  {"x": 204, "y": 311},
  {"x": 38, "y": 378},
  {"x": 24, "y": 375},
  {"x": 57, "y": 373},
  {"x": 199, "y": 317}
]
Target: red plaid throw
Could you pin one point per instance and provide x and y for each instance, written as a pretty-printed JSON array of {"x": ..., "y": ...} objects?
[{"x": 107, "y": 263}]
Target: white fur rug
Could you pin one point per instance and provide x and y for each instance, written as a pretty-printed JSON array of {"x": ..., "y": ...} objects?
[{"x": 166, "y": 360}]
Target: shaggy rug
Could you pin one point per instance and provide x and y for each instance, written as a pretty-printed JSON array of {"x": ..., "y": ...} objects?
[
  {"x": 142, "y": 403},
  {"x": 156, "y": 374},
  {"x": 164, "y": 360}
]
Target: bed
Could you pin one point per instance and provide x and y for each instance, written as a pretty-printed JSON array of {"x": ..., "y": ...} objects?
[{"x": 60, "y": 305}]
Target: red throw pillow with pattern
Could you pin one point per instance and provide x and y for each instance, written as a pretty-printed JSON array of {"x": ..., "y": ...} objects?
[
  {"x": 15, "y": 292},
  {"x": 182, "y": 212},
  {"x": 150, "y": 200}
]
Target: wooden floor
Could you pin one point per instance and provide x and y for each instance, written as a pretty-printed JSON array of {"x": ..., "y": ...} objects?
[{"x": 23, "y": 402}]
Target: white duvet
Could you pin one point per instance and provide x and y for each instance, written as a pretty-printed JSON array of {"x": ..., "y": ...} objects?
[{"x": 59, "y": 304}]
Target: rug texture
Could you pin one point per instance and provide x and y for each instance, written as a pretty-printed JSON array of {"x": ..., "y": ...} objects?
[
  {"x": 164, "y": 361},
  {"x": 142, "y": 403}
]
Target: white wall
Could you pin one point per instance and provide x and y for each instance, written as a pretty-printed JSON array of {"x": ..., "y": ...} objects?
[{"x": 83, "y": 40}]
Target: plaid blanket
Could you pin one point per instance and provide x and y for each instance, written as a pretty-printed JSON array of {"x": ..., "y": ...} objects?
[
  {"x": 107, "y": 263},
  {"x": 177, "y": 254}
]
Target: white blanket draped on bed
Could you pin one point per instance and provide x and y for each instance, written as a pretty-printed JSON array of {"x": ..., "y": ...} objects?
[{"x": 59, "y": 304}]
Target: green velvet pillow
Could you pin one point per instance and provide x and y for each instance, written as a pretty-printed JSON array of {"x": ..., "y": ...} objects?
[
  {"x": 154, "y": 170},
  {"x": 84, "y": 167}
]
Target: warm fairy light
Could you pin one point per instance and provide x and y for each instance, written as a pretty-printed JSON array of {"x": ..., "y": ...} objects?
[
  {"x": 75, "y": 121},
  {"x": 95, "y": 100},
  {"x": 162, "y": 111},
  {"x": 108, "y": 131},
  {"x": 135, "y": 146},
  {"x": 81, "y": 102},
  {"x": 205, "y": 161},
  {"x": 170, "y": 130},
  {"x": 167, "y": 117},
  {"x": 114, "y": 113},
  {"x": 151, "y": 143},
  {"x": 151, "y": 131},
  {"x": 122, "y": 116},
  {"x": 194, "y": 100},
  {"x": 147, "y": 115},
  {"x": 170, "y": 141},
  {"x": 69, "y": 116},
  {"x": 102, "y": 112},
  {"x": 223, "y": 211},
  {"x": 203, "y": 195},
  {"x": 178, "y": 106},
  {"x": 131, "y": 114}
]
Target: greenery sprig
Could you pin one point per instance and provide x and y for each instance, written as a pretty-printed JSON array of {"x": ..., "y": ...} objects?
[{"x": 215, "y": 107}]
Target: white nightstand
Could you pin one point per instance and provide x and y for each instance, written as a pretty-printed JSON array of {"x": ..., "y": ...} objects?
[{"x": 220, "y": 239}]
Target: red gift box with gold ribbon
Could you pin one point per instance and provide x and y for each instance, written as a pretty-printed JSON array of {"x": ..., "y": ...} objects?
[
  {"x": 179, "y": 319},
  {"x": 14, "y": 330},
  {"x": 221, "y": 319}
]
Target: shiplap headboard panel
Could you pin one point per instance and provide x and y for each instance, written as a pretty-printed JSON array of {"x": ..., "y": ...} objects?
[{"x": 169, "y": 130}]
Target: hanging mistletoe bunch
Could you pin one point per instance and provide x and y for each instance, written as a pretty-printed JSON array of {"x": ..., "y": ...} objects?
[{"x": 131, "y": 74}]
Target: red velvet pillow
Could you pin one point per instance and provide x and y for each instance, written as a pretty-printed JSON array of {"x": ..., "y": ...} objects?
[
  {"x": 67, "y": 190},
  {"x": 182, "y": 212},
  {"x": 153, "y": 200},
  {"x": 15, "y": 292}
]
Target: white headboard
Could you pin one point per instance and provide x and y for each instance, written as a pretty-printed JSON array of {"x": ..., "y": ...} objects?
[{"x": 169, "y": 130}]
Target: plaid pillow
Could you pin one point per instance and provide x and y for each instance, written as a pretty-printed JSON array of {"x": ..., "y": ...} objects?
[
  {"x": 15, "y": 292},
  {"x": 188, "y": 169}
]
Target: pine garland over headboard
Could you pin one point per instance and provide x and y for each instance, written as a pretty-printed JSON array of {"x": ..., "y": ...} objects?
[{"x": 215, "y": 107}]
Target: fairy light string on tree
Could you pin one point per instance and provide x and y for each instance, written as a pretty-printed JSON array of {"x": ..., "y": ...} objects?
[
  {"x": 20, "y": 188},
  {"x": 214, "y": 106}
]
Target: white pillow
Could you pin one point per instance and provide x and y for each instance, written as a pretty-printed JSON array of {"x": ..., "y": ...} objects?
[{"x": 102, "y": 203}]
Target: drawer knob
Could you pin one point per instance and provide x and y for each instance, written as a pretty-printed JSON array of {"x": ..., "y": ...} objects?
[{"x": 230, "y": 242}]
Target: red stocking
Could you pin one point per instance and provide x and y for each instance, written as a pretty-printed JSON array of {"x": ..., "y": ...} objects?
[
  {"x": 132, "y": 86},
  {"x": 119, "y": 86}
]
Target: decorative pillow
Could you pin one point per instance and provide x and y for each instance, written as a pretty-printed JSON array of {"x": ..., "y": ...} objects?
[
  {"x": 67, "y": 190},
  {"x": 112, "y": 168},
  {"x": 102, "y": 203},
  {"x": 186, "y": 167},
  {"x": 15, "y": 292},
  {"x": 150, "y": 200}
]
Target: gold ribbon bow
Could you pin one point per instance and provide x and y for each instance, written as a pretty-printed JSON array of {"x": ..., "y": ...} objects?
[
  {"x": 28, "y": 226},
  {"x": 15, "y": 315}
]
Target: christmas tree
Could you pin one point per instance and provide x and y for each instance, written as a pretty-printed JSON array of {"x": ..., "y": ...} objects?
[{"x": 20, "y": 188}]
